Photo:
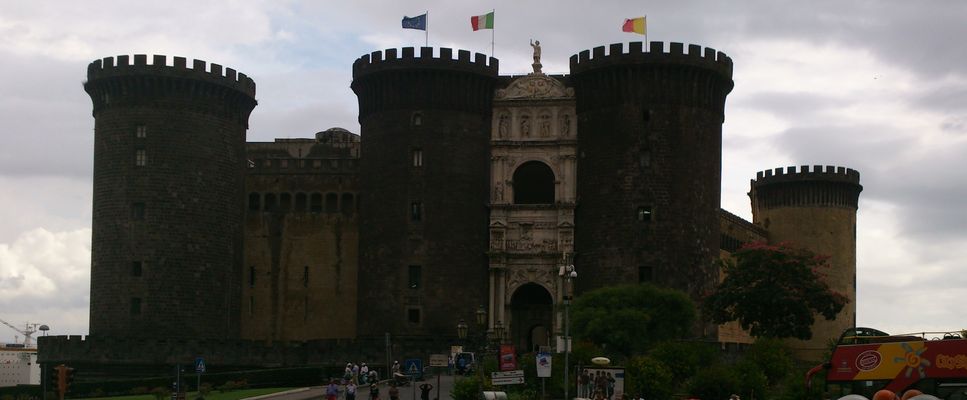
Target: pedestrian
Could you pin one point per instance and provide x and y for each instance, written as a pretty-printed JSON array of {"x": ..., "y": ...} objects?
[
  {"x": 425, "y": 391},
  {"x": 373, "y": 376},
  {"x": 363, "y": 373},
  {"x": 351, "y": 391},
  {"x": 396, "y": 367},
  {"x": 332, "y": 390},
  {"x": 394, "y": 392},
  {"x": 450, "y": 365},
  {"x": 374, "y": 391}
]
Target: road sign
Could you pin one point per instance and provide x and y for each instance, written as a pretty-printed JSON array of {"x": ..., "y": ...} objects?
[
  {"x": 199, "y": 365},
  {"x": 512, "y": 380},
  {"x": 413, "y": 366},
  {"x": 438, "y": 360},
  {"x": 507, "y": 374}
]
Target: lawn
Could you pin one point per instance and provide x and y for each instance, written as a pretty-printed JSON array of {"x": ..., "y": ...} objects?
[{"x": 214, "y": 395}]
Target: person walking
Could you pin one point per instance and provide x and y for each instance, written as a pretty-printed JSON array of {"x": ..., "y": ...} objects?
[
  {"x": 351, "y": 391},
  {"x": 394, "y": 392},
  {"x": 374, "y": 390},
  {"x": 332, "y": 390}
]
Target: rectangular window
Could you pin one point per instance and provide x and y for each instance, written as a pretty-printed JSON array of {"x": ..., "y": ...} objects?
[
  {"x": 644, "y": 213},
  {"x": 141, "y": 131},
  {"x": 417, "y": 157},
  {"x": 644, "y": 274},
  {"x": 135, "y": 306},
  {"x": 413, "y": 315},
  {"x": 251, "y": 276},
  {"x": 415, "y": 272},
  {"x": 416, "y": 211},
  {"x": 305, "y": 276},
  {"x": 137, "y": 211},
  {"x": 136, "y": 268},
  {"x": 140, "y": 158}
]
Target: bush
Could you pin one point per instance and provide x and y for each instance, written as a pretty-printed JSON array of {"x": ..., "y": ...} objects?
[
  {"x": 160, "y": 393},
  {"x": 205, "y": 389},
  {"x": 772, "y": 358},
  {"x": 650, "y": 378},
  {"x": 684, "y": 359},
  {"x": 468, "y": 388},
  {"x": 717, "y": 382},
  {"x": 139, "y": 390}
]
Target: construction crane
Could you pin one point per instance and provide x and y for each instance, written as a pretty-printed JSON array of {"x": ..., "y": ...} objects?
[{"x": 28, "y": 331}]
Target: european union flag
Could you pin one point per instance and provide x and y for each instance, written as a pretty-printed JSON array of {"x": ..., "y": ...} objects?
[{"x": 417, "y": 22}]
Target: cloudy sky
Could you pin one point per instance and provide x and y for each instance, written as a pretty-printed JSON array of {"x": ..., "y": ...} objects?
[{"x": 879, "y": 86}]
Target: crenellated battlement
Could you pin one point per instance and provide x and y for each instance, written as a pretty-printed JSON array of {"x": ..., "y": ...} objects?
[
  {"x": 634, "y": 53},
  {"x": 818, "y": 186},
  {"x": 406, "y": 58},
  {"x": 111, "y": 67},
  {"x": 805, "y": 173}
]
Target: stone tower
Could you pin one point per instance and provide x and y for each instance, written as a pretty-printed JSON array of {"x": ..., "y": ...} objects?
[
  {"x": 814, "y": 209},
  {"x": 168, "y": 201},
  {"x": 650, "y": 161},
  {"x": 425, "y": 128}
]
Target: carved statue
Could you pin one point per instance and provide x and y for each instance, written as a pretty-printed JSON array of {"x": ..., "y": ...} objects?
[
  {"x": 502, "y": 125},
  {"x": 545, "y": 125},
  {"x": 565, "y": 124},
  {"x": 536, "y": 44},
  {"x": 525, "y": 125}
]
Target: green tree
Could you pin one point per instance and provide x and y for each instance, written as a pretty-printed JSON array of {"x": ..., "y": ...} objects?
[
  {"x": 627, "y": 319},
  {"x": 650, "y": 378},
  {"x": 773, "y": 291}
]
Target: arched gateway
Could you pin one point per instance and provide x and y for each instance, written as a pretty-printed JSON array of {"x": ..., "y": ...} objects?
[{"x": 531, "y": 311}]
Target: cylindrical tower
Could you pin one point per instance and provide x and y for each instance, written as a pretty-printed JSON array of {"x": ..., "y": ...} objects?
[
  {"x": 168, "y": 197},
  {"x": 424, "y": 169},
  {"x": 816, "y": 210},
  {"x": 649, "y": 164}
]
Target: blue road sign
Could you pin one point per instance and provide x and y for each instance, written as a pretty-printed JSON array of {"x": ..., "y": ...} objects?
[
  {"x": 413, "y": 366},
  {"x": 199, "y": 365}
]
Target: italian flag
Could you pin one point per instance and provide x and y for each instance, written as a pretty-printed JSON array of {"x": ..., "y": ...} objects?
[{"x": 485, "y": 21}]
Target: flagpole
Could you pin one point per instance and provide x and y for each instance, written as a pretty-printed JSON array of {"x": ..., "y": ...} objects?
[
  {"x": 426, "y": 32},
  {"x": 492, "y": 33},
  {"x": 647, "y": 43}
]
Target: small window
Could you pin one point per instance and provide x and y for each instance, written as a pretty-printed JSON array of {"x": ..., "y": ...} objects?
[
  {"x": 254, "y": 201},
  {"x": 417, "y": 157},
  {"x": 644, "y": 213},
  {"x": 251, "y": 276},
  {"x": 332, "y": 202},
  {"x": 140, "y": 158},
  {"x": 300, "y": 202},
  {"x": 305, "y": 276},
  {"x": 136, "y": 269},
  {"x": 417, "y": 119},
  {"x": 644, "y": 274},
  {"x": 270, "y": 203},
  {"x": 416, "y": 211},
  {"x": 415, "y": 272},
  {"x": 347, "y": 203},
  {"x": 644, "y": 159},
  {"x": 135, "y": 306},
  {"x": 141, "y": 131},
  {"x": 285, "y": 202},
  {"x": 413, "y": 315},
  {"x": 137, "y": 211},
  {"x": 315, "y": 203}
]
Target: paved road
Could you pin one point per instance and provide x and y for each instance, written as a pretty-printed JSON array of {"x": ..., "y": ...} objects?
[{"x": 406, "y": 392}]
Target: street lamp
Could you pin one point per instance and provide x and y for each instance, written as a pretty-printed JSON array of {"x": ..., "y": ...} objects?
[{"x": 567, "y": 272}]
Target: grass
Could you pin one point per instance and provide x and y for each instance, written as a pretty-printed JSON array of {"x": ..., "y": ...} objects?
[{"x": 214, "y": 395}]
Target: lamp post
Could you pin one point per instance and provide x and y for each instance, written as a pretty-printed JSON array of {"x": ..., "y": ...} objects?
[{"x": 567, "y": 272}]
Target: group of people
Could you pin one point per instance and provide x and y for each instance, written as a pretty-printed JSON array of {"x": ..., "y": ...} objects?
[
  {"x": 597, "y": 385},
  {"x": 356, "y": 375}
]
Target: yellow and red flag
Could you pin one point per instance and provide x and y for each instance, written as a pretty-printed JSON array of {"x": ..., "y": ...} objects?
[{"x": 636, "y": 25}]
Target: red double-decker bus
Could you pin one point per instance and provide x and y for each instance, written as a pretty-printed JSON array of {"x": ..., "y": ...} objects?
[{"x": 867, "y": 360}]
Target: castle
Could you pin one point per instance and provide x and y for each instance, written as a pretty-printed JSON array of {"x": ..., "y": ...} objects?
[{"x": 463, "y": 195}]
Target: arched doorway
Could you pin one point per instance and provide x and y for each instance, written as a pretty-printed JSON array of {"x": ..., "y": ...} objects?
[
  {"x": 531, "y": 309},
  {"x": 533, "y": 184}
]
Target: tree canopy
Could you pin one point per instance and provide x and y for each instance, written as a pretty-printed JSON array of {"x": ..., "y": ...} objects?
[
  {"x": 627, "y": 319},
  {"x": 773, "y": 291}
]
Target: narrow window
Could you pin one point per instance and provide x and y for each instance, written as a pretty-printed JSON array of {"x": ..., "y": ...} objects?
[
  {"x": 140, "y": 158},
  {"x": 285, "y": 202},
  {"x": 137, "y": 211},
  {"x": 413, "y": 315},
  {"x": 305, "y": 276},
  {"x": 417, "y": 157},
  {"x": 644, "y": 274},
  {"x": 251, "y": 276},
  {"x": 254, "y": 201},
  {"x": 347, "y": 203},
  {"x": 415, "y": 272},
  {"x": 300, "y": 202},
  {"x": 136, "y": 269},
  {"x": 644, "y": 213},
  {"x": 416, "y": 211},
  {"x": 135, "y": 306},
  {"x": 417, "y": 119},
  {"x": 315, "y": 203},
  {"x": 332, "y": 202},
  {"x": 141, "y": 131}
]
